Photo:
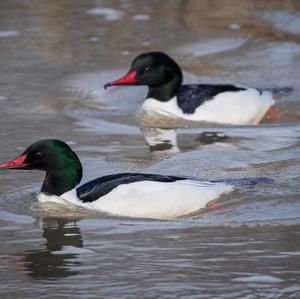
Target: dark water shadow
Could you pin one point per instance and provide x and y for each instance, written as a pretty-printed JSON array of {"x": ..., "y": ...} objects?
[
  {"x": 53, "y": 261},
  {"x": 167, "y": 141}
]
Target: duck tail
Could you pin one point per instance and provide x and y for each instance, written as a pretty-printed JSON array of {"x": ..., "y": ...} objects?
[
  {"x": 279, "y": 90},
  {"x": 249, "y": 182}
]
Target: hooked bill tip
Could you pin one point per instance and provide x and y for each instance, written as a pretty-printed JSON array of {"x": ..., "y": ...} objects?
[{"x": 106, "y": 85}]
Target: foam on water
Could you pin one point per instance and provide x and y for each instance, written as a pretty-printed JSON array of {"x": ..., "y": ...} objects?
[
  {"x": 258, "y": 279},
  {"x": 141, "y": 18},
  {"x": 72, "y": 250},
  {"x": 210, "y": 46},
  {"x": 109, "y": 14},
  {"x": 9, "y": 33}
]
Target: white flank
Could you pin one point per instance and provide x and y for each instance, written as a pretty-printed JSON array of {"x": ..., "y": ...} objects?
[
  {"x": 239, "y": 108},
  {"x": 147, "y": 199}
]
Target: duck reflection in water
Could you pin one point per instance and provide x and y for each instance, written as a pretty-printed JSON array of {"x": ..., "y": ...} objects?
[
  {"x": 59, "y": 256},
  {"x": 166, "y": 140}
]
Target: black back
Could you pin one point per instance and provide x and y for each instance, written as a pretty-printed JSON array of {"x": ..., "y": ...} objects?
[
  {"x": 190, "y": 97},
  {"x": 99, "y": 187}
]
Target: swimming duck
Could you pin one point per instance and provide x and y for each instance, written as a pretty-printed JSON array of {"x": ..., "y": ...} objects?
[
  {"x": 126, "y": 194},
  {"x": 168, "y": 97}
]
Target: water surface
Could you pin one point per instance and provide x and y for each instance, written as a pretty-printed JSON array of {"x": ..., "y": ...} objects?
[{"x": 55, "y": 57}]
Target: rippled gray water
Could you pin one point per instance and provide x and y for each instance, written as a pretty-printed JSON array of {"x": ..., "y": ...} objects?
[{"x": 55, "y": 57}]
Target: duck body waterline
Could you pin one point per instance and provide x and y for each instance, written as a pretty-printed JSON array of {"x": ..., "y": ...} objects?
[
  {"x": 125, "y": 194},
  {"x": 212, "y": 110},
  {"x": 157, "y": 199},
  {"x": 167, "y": 97}
]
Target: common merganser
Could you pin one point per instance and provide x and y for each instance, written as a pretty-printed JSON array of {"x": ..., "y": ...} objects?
[
  {"x": 125, "y": 194},
  {"x": 228, "y": 104}
]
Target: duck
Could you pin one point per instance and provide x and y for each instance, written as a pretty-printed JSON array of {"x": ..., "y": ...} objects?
[
  {"x": 216, "y": 103},
  {"x": 139, "y": 195}
]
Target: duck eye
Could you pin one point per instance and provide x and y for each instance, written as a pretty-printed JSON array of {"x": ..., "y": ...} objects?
[
  {"x": 38, "y": 155},
  {"x": 147, "y": 69}
]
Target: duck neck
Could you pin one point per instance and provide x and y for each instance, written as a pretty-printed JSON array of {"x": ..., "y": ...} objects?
[
  {"x": 167, "y": 91},
  {"x": 59, "y": 182}
]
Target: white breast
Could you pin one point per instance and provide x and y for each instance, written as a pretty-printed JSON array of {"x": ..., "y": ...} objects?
[
  {"x": 240, "y": 108},
  {"x": 148, "y": 199}
]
